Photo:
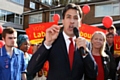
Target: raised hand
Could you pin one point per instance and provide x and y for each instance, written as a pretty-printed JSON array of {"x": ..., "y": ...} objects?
[{"x": 52, "y": 34}]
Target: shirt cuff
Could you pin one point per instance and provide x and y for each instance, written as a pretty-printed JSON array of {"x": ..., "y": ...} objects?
[
  {"x": 47, "y": 47},
  {"x": 86, "y": 53},
  {"x": 25, "y": 71}
]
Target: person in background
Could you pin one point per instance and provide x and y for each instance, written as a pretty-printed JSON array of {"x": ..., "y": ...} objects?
[
  {"x": 12, "y": 62},
  {"x": 110, "y": 42},
  {"x": 110, "y": 47},
  {"x": 35, "y": 47},
  {"x": 112, "y": 30},
  {"x": 24, "y": 45},
  {"x": 61, "y": 49},
  {"x": 104, "y": 59}
]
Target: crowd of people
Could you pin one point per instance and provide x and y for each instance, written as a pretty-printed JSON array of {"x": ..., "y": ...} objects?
[{"x": 69, "y": 57}]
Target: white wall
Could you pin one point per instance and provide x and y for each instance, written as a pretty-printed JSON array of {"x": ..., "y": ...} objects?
[{"x": 11, "y": 6}]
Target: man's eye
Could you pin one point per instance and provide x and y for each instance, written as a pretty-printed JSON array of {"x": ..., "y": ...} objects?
[
  {"x": 12, "y": 37},
  {"x": 68, "y": 17},
  {"x": 15, "y": 37},
  {"x": 76, "y": 18}
]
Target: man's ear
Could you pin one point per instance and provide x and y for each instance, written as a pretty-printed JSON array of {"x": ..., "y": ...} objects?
[{"x": 3, "y": 39}]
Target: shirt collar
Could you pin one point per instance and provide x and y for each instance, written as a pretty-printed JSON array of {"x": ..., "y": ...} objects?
[
  {"x": 14, "y": 50},
  {"x": 66, "y": 37}
]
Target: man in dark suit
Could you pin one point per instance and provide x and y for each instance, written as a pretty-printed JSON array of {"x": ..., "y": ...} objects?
[{"x": 55, "y": 49}]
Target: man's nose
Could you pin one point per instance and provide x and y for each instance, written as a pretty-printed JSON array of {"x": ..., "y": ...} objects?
[{"x": 72, "y": 20}]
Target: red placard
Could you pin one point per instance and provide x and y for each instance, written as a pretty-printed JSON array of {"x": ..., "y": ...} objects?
[
  {"x": 86, "y": 31},
  {"x": 36, "y": 32},
  {"x": 117, "y": 45}
]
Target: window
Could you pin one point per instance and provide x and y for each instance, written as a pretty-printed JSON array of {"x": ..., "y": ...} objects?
[
  {"x": 10, "y": 17},
  {"x": 35, "y": 18},
  {"x": 19, "y": 1},
  {"x": 2, "y": 15},
  {"x": 18, "y": 19},
  {"x": 56, "y": 12},
  {"x": 32, "y": 5},
  {"x": 21, "y": 19},
  {"x": 83, "y": 0},
  {"x": 112, "y": 9},
  {"x": 47, "y": 2}
]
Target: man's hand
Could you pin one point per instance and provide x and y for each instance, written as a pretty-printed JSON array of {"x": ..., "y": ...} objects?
[
  {"x": 81, "y": 42},
  {"x": 52, "y": 34}
]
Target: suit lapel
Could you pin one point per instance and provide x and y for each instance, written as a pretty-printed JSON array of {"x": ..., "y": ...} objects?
[{"x": 63, "y": 46}]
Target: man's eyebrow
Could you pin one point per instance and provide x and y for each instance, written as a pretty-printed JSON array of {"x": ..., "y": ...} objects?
[
  {"x": 70, "y": 15},
  {"x": 67, "y": 14}
]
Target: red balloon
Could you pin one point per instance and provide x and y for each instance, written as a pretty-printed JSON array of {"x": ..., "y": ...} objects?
[
  {"x": 86, "y": 9},
  {"x": 107, "y": 21},
  {"x": 56, "y": 17},
  {"x": 1, "y": 29},
  {"x": 2, "y": 43}
]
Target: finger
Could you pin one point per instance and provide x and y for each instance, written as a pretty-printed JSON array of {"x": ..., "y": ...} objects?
[
  {"x": 56, "y": 29},
  {"x": 49, "y": 31}
]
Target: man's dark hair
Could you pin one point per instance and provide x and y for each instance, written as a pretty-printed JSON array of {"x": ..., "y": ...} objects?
[
  {"x": 8, "y": 30},
  {"x": 72, "y": 6},
  {"x": 109, "y": 34}
]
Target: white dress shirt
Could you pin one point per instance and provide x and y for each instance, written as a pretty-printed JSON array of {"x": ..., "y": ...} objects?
[{"x": 67, "y": 41}]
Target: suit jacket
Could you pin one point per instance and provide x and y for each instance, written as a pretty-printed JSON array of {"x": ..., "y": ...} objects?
[{"x": 59, "y": 68}]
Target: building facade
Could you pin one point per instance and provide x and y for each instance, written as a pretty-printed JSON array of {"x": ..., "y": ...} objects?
[
  {"x": 38, "y": 11},
  {"x": 11, "y": 14}
]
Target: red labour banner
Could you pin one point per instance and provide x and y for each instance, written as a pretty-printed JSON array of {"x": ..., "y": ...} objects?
[
  {"x": 36, "y": 32},
  {"x": 86, "y": 31},
  {"x": 117, "y": 45}
]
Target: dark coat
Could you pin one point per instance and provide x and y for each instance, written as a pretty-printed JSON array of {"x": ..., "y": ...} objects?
[
  {"x": 112, "y": 52},
  {"x": 59, "y": 68},
  {"x": 109, "y": 66}
]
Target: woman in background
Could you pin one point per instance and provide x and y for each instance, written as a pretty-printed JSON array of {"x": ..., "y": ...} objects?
[
  {"x": 24, "y": 44},
  {"x": 104, "y": 59}
]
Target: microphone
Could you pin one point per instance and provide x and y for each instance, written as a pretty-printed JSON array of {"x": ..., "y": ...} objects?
[{"x": 76, "y": 33}]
